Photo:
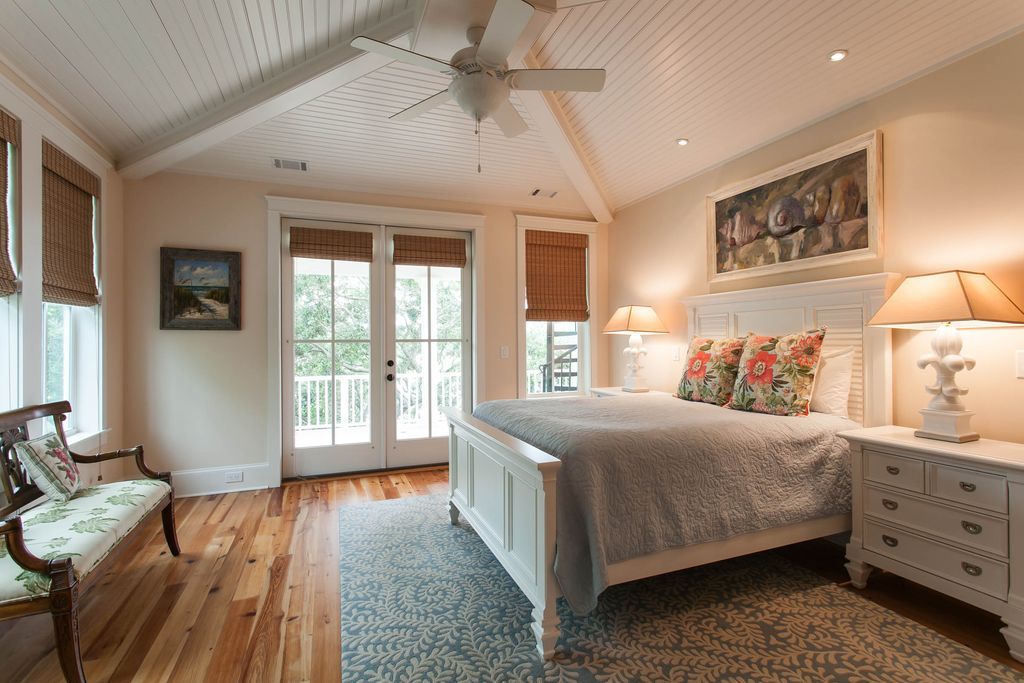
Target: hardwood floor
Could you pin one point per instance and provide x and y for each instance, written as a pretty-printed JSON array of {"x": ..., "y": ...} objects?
[{"x": 254, "y": 594}]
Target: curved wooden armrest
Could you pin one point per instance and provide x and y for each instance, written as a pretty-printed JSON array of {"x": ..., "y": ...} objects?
[
  {"x": 12, "y": 533},
  {"x": 135, "y": 451}
]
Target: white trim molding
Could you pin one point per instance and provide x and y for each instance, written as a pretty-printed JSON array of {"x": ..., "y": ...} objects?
[
  {"x": 591, "y": 355},
  {"x": 206, "y": 481},
  {"x": 279, "y": 207}
]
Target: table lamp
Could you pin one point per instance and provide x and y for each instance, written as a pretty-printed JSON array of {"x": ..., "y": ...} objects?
[
  {"x": 634, "y": 321},
  {"x": 945, "y": 302}
]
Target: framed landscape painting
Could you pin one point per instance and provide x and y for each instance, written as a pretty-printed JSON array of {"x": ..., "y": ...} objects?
[
  {"x": 820, "y": 210},
  {"x": 200, "y": 289}
]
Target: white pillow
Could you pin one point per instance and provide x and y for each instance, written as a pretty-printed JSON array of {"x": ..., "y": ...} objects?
[{"x": 831, "y": 394}]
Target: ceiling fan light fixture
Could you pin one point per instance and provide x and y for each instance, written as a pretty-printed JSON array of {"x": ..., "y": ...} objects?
[
  {"x": 837, "y": 55},
  {"x": 479, "y": 94}
]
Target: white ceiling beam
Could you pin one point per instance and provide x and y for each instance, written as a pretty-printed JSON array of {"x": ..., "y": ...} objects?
[
  {"x": 551, "y": 123},
  {"x": 323, "y": 74}
]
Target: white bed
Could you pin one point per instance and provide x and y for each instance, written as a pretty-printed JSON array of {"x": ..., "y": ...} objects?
[{"x": 507, "y": 489}]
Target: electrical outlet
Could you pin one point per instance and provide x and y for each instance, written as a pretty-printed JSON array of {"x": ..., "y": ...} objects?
[
  {"x": 1020, "y": 364},
  {"x": 504, "y": 352},
  {"x": 233, "y": 477}
]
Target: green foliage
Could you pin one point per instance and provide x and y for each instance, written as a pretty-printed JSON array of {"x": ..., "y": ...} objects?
[
  {"x": 56, "y": 328},
  {"x": 219, "y": 294},
  {"x": 184, "y": 300},
  {"x": 126, "y": 498}
]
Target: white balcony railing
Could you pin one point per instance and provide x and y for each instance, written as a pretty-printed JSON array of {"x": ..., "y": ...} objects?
[{"x": 351, "y": 399}]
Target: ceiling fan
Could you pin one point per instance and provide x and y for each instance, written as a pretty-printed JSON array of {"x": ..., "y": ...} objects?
[{"x": 481, "y": 79}]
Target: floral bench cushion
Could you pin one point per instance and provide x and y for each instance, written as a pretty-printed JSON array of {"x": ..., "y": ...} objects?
[{"x": 85, "y": 528}]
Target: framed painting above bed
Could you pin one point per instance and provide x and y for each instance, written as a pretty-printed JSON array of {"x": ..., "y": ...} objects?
[{"x": 817, "y": 211}]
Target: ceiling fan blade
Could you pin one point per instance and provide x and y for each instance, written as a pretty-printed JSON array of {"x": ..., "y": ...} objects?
[
  {"x": 400, "y": 55},
  {"x": 506, "y": 24},
  {"x": 578, "y": 80},
  {"x": 509, "y": 120},
  {"x": 422, "y": 107}
]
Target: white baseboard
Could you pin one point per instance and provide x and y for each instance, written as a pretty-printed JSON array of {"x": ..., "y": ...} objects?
[{"x": 205, "y": 481}]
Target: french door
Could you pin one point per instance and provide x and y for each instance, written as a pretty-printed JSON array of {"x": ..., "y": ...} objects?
[{"x": 374, "y": 350}]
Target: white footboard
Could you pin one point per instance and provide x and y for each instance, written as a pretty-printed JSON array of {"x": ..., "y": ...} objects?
[{"x": 505, "y": 488}]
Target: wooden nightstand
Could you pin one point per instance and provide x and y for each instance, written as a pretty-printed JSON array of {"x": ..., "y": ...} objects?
[
  {"x": 601, "y": 392},
  {"x": 946, "y": 515}
]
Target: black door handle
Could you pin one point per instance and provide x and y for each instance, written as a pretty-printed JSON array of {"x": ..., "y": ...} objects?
[{"x": 391, "y": 378}]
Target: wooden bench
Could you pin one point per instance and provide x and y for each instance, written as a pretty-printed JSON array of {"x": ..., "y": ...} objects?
[{"x": 35, "y": 575}]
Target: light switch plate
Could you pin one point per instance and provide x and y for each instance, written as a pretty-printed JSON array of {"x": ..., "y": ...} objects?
[
  {"x": 1020, "y": 364},
  {"x": 677, "y": 353},
  {"x": 504, "y": 352}
]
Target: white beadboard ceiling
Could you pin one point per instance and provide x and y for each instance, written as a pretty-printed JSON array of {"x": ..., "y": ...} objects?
[
  {"x": 349, "y": 143},
  {"x": 729, "y": 76}
]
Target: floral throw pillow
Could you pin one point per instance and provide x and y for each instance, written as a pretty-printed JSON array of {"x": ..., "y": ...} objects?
[
  {"x": 776, "y": 374},
  {"x": 50, "y": 465},
  {"x": 710, "y": 370}
]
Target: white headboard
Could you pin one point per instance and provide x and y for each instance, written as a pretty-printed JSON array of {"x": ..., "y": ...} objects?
[{"x": 844, "y": 304}]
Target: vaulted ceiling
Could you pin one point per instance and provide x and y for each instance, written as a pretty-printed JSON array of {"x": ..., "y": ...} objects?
[{"x": 223, "y": 86}]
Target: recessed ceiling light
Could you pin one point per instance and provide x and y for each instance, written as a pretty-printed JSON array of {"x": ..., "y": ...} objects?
[
  {"x": 837, "y": 55},
  {"x": 682, "y": 142}
]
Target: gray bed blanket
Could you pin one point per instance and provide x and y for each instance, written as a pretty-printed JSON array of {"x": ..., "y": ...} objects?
[{"x": 641, "y": 474}]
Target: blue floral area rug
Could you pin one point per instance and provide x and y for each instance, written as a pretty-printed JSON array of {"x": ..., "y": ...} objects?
[{"x": 422, "y": 600}]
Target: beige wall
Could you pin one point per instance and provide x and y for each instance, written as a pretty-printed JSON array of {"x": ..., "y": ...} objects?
[
  {"x": 198, "y": 399},
  {"x": 953, "y": 177}
]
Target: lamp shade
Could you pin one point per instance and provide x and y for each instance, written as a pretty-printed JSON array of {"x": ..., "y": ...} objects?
[
  {"x": 959, "y": 297},
  {"x": 635, "y": 320}
]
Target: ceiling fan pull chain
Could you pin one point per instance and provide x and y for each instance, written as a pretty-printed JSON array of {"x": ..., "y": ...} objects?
[{"x": 479, "y": 168}]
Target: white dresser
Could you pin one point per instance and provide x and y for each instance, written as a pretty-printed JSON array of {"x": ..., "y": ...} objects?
[{"x": 945, "y": 515}]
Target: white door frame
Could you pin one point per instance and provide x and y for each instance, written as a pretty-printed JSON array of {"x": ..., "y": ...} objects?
[
  {"x": 410, "y": 452},
  {"x": 281, "y": 207}
]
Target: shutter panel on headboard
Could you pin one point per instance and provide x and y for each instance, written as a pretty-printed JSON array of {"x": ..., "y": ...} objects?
[{"x": 846, "y": 328}]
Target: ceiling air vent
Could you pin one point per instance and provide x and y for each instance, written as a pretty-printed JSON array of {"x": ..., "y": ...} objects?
[
  {"x": 544, "y": 194},
  {"x": 291, "y": 164}
]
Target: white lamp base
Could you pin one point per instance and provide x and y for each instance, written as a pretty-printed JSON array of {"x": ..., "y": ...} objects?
[
  {"x": 634, "y": 382},
  {"x": 947, "y": 425}
]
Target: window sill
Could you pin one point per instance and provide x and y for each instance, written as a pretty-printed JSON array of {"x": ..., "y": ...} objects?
[{"x": 86, "y": 441}]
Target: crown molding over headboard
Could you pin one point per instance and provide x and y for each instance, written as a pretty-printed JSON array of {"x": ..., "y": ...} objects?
[{"x": 844, "y": 304}]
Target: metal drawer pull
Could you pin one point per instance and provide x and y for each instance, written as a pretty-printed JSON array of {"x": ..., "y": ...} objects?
[
  {"x": 971, "y": 569},
  {"x": 892, "y": 469},
  {"x": 967, "y": 486},
  {"x": 971, "y": 527},
  {"x": 892, "y": 504},
  {"x": 892, "y": 542}
]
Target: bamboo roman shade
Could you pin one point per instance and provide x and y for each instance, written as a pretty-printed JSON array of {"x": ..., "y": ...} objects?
[
  {"x": 68, "y": 191},
  {"x": 556, "y": 276},
  {"x": 341, "y": 245},
  {"x": 10, "y": 132},
  {"x": 424, "y": 250}
]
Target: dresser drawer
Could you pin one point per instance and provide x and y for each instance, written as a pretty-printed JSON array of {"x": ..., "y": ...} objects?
[
  {"x": 977, "y": 489},
  {"x": 976, "y": 572},
  {"x": 904, "y": 473},
  {"x": 966, "y": 528}
]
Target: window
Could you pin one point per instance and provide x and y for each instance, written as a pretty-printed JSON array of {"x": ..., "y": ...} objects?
[
  {"x": 70, "y": 292},
  {"x": 555, "y": 270},
  {"x": 10, "y": 333}
]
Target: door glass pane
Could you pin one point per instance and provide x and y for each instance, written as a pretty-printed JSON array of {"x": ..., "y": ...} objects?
[
  {"x": 412, "y": 417},
  {"x": 352, "y": 392},
  {"x": 446, "y": 371},
  {"x": 312, "y": 298},
  {"x": 313, "y": 394},
  {"x": 552, "y": 357},
  {"x": 411, "y": 302},
  {"x": 351, "y": 300},
  {"x": 446, "y": 302}
]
